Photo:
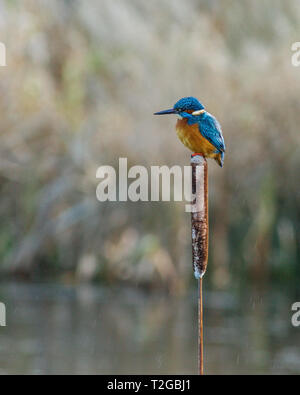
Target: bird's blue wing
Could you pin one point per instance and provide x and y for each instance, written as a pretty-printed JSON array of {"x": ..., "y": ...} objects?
[{"x": 210, "y": 129}]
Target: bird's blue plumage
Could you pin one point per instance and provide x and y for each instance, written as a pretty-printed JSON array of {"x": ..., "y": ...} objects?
[
  {"x": 210, "y": 128},
  {"x": 188, "y": 103}
]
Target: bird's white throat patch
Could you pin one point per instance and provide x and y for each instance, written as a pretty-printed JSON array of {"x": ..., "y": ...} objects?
[{"x": 198, "y": 112}]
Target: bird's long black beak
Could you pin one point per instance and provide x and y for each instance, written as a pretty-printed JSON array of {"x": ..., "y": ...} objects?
[{"x": 171, "y": 111}]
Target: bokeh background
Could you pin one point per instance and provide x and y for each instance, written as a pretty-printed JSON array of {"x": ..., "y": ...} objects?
[{"x": 108, "y": 287}]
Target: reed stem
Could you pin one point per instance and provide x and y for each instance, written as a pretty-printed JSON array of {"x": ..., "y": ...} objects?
[
  {"x": 199, "y": 218},
  {"x": 200, "y": 329}
]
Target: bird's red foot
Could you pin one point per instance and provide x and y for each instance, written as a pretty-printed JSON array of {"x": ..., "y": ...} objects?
[{"x": 196, "y": 154}]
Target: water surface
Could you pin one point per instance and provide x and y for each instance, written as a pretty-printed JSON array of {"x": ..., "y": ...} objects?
[{"x": 56, "y": 329}]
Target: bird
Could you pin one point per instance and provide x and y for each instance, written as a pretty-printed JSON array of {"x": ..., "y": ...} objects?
[{"x": 197, "y": 129}]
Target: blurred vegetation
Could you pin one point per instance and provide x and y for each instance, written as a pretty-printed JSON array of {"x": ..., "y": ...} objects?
[{"x": 81, "y": 84}]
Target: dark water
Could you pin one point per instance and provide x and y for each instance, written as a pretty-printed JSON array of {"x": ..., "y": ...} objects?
[{"x": 89, "y": 330}]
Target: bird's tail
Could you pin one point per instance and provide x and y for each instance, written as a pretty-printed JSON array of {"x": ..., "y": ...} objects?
[{"x": 220, "y": 158}]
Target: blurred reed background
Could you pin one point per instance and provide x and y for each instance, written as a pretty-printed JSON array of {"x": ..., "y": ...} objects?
[{"x": 81, "y": 83}]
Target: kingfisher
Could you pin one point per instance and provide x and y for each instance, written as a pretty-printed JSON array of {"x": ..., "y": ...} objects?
[{"x": 197, "y": 129}]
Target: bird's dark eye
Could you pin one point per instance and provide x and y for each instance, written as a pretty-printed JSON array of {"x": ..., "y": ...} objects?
[{"x": 179, "y": 109}]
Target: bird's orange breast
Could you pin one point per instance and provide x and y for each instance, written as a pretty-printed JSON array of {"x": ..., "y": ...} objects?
[{"x": 191, "y": 137}]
